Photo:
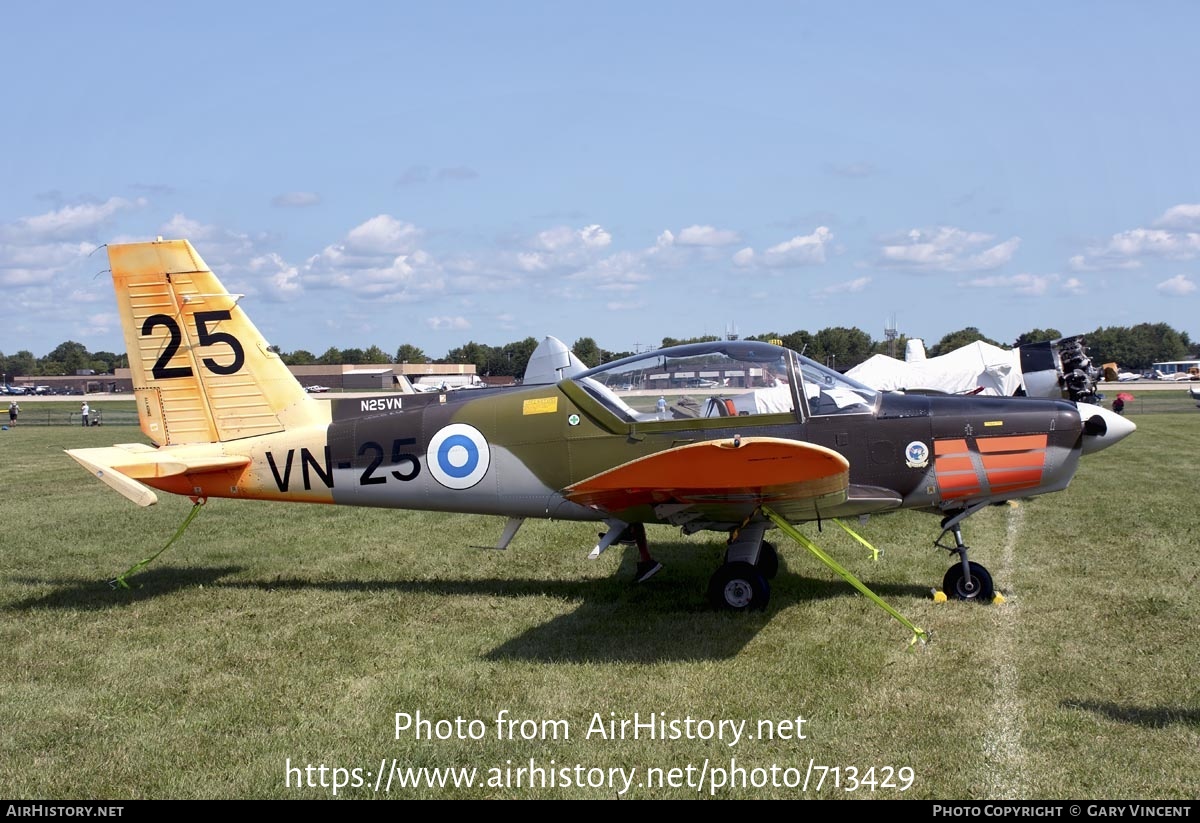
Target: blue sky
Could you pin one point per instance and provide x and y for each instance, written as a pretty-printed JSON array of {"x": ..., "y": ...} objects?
[{"x": 378, "y": 174}]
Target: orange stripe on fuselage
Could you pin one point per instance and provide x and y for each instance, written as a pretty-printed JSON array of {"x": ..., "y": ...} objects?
[
  {"x": 1004, "y": 476},
  {"x": 958, "y": 481},
  {"x": 950, "y": 447},
  {"x": 953, "y": 464},
  {"x": 1021, "y": 460},
  {"x": 1011, "y": 443},
  {"x": 1010, "y": 463}
]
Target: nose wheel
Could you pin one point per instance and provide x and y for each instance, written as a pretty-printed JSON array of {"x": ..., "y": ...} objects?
[
  {"x": 973, "y": 584},
  {"x": 966, "y": 579}
]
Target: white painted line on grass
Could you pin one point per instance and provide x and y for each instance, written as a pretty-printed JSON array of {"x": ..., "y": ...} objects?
[{"x": 1008, "y": 772}]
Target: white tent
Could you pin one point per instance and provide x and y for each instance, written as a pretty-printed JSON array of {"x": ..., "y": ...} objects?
[{"x": 996, "y": 370}]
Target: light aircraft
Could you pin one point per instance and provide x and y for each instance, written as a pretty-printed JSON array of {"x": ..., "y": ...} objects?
[{"x": 777, "y": 439}]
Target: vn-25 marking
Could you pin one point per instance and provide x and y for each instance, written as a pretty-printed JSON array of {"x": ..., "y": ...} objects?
[{"x": 408, "y": 465}]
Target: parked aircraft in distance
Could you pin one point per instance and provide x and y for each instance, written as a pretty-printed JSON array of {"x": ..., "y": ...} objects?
[{"x": 780, "y": 440}]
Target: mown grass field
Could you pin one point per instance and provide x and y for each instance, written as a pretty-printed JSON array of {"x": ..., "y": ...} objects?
[{"x": 274, "y": 632}]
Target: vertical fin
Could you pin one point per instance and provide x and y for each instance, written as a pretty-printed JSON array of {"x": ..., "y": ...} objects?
[{"x": 201, "y": 371}]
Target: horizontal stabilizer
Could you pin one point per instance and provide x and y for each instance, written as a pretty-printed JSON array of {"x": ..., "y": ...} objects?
[
  {"x": 122, "y": 466},
  {"x": 128, "y": 488}
]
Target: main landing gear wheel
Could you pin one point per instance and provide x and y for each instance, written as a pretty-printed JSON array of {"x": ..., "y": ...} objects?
[
  {"x": 977, "y": 587},
  {"x": 739, "y": 587}
]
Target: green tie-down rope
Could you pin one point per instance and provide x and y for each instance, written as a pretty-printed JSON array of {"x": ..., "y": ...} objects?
[
  {"x": 119, "y": 580},
  {"x": 874, "y": 551},
  {"x": 790, "y": 530}
]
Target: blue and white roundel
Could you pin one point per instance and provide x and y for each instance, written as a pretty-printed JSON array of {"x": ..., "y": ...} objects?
[{"x": 458, "y": 456}]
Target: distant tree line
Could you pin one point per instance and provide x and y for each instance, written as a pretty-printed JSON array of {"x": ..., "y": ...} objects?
[
  {"x": 68, "y": 358},
  {"x": 1132, "y": 347}
]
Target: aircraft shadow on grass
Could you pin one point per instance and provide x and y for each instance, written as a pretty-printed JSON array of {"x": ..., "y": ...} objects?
[
  {"x": 1151, "y": 717},
  {"x": 90, "y": 594},
  {"x": 615, "y": 621}
]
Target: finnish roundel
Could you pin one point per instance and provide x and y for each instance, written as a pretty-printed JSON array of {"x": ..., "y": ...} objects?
[{"x": 458, "y": 456}]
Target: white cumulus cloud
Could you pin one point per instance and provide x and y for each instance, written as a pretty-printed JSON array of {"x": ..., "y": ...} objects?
[
  {"x": 623, "y": 272},
  {"x": 948, "y": 249},
  {"x": 378, "y": 259},
  {"x": 802, "y": 250},
  {"x": 704, "y": 236},
  {"x": 564, "y": 239},
  {"x": 1176, "y": 236},
  {"x": 1177, "y": 286},
  {"x": 1031, "y": 285},
  {"x": 1183, "y": 216},
  {"x": 99, "y": 324},
  {"x": 282, "y": 279},
  {"x": 1074, "y": 285},
  {"x": 37, "y": 263},
  {"x": 70, "y": 222},
  {"x": 849, "y": 287},
  {"x": 445, "y": 323},
  {"x": 383, "y": 234},
  {"x": 595, "y": 237}
]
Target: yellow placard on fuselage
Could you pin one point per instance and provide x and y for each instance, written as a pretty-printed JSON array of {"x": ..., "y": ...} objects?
[{"x": 540, "y": 405}]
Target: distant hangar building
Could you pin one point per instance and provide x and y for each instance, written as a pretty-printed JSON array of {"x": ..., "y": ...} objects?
[{"x": 351, "y": 377}]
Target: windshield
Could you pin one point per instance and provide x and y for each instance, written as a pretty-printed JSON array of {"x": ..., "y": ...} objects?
[
  {"x": 722, "y": 379},
  {"x": 726, "y": 379},
  {"x": 828, "y": 392}
]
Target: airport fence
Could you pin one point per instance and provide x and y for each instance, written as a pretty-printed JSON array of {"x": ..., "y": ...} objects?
[{"x": 60, "y": 414}]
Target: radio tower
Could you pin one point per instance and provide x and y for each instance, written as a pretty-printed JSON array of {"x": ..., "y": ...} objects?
[{"x": 890, "y": 334}]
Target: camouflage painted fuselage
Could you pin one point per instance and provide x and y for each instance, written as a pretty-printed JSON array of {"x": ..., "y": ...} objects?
[{"x": 513, "y": 452}]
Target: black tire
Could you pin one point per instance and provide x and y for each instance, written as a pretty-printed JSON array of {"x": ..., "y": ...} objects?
[
  {"x": 978, "y": 588},
  {"x": 768, "y": 561},
  {"x": 738, "y": 587}
]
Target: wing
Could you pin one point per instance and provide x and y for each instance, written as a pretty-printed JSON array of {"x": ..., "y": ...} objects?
[{"x": 725, "y": 481}]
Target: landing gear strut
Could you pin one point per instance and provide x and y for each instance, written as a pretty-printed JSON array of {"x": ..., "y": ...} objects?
[{"x": 965, "y": 580}]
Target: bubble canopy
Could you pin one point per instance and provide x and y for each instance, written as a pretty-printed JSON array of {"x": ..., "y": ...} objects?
[{"x": 723, "y": 379}]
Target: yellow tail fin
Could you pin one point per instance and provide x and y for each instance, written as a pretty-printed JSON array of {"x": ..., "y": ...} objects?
[{"x": 202, "y": 373}]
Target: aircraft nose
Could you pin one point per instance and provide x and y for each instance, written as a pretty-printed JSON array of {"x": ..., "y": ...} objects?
[{"x": 1102, "y": 428}]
